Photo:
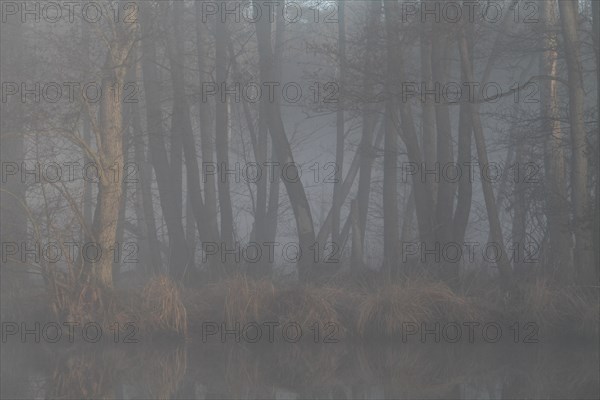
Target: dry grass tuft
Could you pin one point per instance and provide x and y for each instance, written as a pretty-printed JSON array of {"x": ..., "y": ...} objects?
[
  {"x": 86, "y": 302},
  {"x": 248, "y": 300},
  {"x": 385, "y": 309},
  {"x": 561, "y": 309},
  {"x": 163, "y": 308},
  {"x": 306, "y": 305}
]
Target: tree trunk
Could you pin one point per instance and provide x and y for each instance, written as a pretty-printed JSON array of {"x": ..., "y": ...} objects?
[
  {"x": 222, "y": 136},
  {"x": 488, "y": 192},
  {"x": 183, "y": 124},
  {"x": 150, "y": 250},
  {"x": 295, "y": 189},
  {"x": 357, "y": 240},
  {"x": 340, "y": 127},
  {"x": 465, "y": 131},
  {"x": 206, "y": 133},
  {"x": 391, "y": 238},
  {"x": 445, "y": 188},
  {"x": 109, "y": 136},
  {"x": 584, "y": 244},
  {"x": 178, "y": 256},
  {"x": 368, "y": 120}
]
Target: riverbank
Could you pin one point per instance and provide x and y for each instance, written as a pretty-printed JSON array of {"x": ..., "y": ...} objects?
[{"x": 331, "y": 311}]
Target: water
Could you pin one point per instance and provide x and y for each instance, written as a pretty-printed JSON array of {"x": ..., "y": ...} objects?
[{"x": 344, "y": 370}]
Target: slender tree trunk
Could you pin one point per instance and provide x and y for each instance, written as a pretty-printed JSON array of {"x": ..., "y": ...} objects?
[
  {"x": 178, "y": 256},
  {"x": 118, "y": 245},
  {"x": 109, "y": 135},
  {"x": 446, "y": 189},
  {"x": 502, "y": 261},
  {"x": 357, "y": 240},
  {"x": 206, "y": 132},
  {"x": 340, "y": 127},
  {"x": 465, "y": 185},
  {"x": 596, "y": 39},
  {"x": 428, "y": 114},
  {"x": 580, "y": 191},
  {"x": 422, "y": 189},
  {"x": 325, "y": 230},
  {"x": 13, "y": 218},
  {"x": 295, "y": 189},
  {"x": 150, "y": 250},
  {"x": 390, "y": 179},
  {"x": 519, "y": 217},
  {"x": 222, "y": 136},
  {"x": 183, "y": 124},
  {"x": 367, "y": 153}
]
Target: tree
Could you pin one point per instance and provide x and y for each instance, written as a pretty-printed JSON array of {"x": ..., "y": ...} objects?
[
  {"x": 108, "y": 132},
  {"x": 580, "y": 191}
]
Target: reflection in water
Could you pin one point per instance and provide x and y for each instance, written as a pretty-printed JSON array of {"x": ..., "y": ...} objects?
[{"x": 196, "y": 370}]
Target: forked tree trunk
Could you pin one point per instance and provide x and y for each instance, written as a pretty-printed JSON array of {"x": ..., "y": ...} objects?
[
  {"x": 295, "y": 189},
  {"x": 502, "y": 261},
  {"x": 178, "y": 250}
]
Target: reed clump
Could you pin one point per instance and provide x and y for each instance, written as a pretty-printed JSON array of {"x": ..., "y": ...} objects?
[
  {"x": 162, "y": 308},
  {"x": 559, "y": 309},
  {"x": 385, "y": 309},
  {"x": 310, "y": 304}
]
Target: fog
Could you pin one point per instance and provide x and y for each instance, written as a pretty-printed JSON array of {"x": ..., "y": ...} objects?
[{"x": 299, "y": 199}]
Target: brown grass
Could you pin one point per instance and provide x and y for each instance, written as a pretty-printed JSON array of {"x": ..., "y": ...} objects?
[
  {"x": 385, "y": 309},
  {"x": 376, "y": 309},
  {"x": 162, "y": 307},
  {"x": 306, "y": 305},
  {"x": 559, "y": 309}
]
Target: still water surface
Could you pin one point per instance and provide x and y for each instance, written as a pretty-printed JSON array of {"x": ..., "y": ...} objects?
[{"x": 345, "y": 370}]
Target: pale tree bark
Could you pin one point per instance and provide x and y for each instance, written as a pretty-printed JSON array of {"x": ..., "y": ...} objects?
[
  {"x": 557, "y": 207},
  {"x": 295, "y": 189},
  {"x": 109, "y": 138},
  {"x": 580, "y": 191}
]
